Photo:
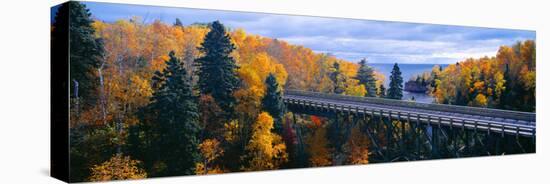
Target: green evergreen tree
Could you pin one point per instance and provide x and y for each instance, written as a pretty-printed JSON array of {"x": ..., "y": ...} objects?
[
  {"x": 434, "y": 78},
  {"x": 382, "y": 91},
  {"x": 73, "y": 26},
  {"x": 396, "y": 84},
  {"x": 217, "y": 69},
  {"x": 338, "y": 79},
  {"x": 460, "y": 99},
  {"x": 178, "y": 23},
  {"x": 73, "y": 44},
  {"x": 272, "y": 102},
  {"x": 507, "y": 95},
  {"x": 171, "y": 123},
  {"x": 365, "y": 75}
]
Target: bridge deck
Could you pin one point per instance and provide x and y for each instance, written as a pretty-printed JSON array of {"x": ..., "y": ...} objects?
[{"x": 493, "y": 120}]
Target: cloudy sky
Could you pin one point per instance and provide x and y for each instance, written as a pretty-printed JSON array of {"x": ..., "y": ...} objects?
[{"x": 378, "y": 41}]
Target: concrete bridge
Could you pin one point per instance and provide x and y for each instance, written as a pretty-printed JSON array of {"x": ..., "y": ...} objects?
[{"x": 479, "y": 119}]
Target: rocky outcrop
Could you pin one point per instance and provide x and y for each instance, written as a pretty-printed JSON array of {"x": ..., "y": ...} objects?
[{"x": 415, "y": 87}]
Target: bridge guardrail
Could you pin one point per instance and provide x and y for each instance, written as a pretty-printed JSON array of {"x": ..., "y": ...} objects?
[{"x": 506, "y": 114}]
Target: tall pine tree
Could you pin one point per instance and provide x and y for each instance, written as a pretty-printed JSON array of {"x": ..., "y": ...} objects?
[
  {"x": 507, "y": 94},
  {"x": 216, "y": 68},
  {"x": 171, "y": 123},
  {"x": 272, "y": 102},
  {"x": 396, "y": 84},
  {"x": 338, "y": 79},
  {"x": 382, "y": 91},
  {"x": 365, "y": 75},
  {"x": 73, "y": 41},
  {"x": 178, "y": 23},
  {"x": 73, "y": 25}
]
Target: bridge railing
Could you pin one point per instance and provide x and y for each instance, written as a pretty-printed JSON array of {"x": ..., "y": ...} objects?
[{"x": 506, "y": 114}]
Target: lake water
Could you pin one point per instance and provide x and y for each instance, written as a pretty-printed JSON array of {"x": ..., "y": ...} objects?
[{"x": 407, "y": 71}]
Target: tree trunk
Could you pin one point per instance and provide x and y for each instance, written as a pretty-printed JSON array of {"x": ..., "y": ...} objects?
[
  {"x": 77, "y": 99},
  {"x": 102, "y": 99}
]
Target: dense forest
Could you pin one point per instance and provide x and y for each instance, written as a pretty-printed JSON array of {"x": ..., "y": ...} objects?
[
  {"x": 506, "y": 81},
  {"x": 156, "y": 99},
  {"x": 161, "y": 100}
]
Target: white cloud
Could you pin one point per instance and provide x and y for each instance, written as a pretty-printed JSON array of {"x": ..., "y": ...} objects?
[
  {"x": 401, "y": 51},
  {"x": 350, "y": 39}
]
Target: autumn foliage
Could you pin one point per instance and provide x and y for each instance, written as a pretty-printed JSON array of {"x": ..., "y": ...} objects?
[
  {"x": 210, "y": 150},
  {"x": 152, "y": 91},
  {"x": 358, "y": 147},
  {"x": 506, "y": 81},
  {"x": 119, "y": 167},
  {"x": 266, "y": 150},
  {"x": 318, "y": 148}
]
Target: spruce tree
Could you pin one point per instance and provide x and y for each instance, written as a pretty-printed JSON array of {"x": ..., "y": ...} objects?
[
  {"x": 73, "y": 26},
  {"x": 178, "y": 23},
  {"x": 73, "y": 45},
  {"x": 507, "y": 95},
  {"x": 382, "y": 91},
  {"x": 272, "y": 102},
  {"x": 365, "y": 75},
  {"x": 216, "y": 68},
  {"x": 434, "y": 78},
  {"x": 338, "y": 79},
  {"x": 171, "y": 122},
  {"x": 396, "y": 84}
]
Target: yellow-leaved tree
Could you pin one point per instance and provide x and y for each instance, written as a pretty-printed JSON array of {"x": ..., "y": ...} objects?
[
  {"x": 119, "y": 167},
  {"x": 210, "y": 151},
  {"x": 266, "y": 150}
]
